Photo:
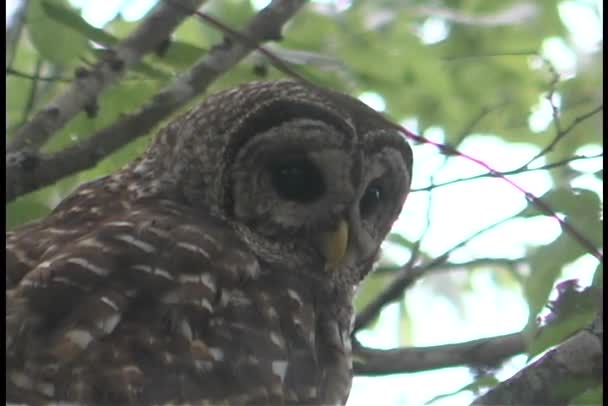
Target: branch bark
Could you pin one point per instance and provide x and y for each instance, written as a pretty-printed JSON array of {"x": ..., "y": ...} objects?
[
  {"x": 485, "y": 351},
  {"x": 155, "y": 29},
  {"x": 26, "y": 172},
  {"x": 557, "y": 377}
]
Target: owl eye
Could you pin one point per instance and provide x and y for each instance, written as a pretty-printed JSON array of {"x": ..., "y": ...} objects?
[
  {"x": 370, "y": 199},
  {"x": 297, "y": 180}
]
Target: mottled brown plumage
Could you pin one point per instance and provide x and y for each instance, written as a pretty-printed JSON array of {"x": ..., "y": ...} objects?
[{"x": 218, "y": 268}]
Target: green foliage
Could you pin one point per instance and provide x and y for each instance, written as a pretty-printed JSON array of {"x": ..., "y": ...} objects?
[
  {"x": 47, "y": 32},
  {"x": 71, "y": 19},
  {"x": 582, "y": 209},
  {"x": 447, "y": 83},
  {"x": 570, "y": 312},
  {"x": 22, "y": 212}
]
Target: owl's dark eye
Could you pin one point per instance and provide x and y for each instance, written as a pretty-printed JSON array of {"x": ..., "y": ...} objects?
[
  {"x": 371, "y": 199},
  {"x": 297, "y": 180}
]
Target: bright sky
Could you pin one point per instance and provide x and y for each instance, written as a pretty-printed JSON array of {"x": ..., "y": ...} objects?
[{"x": 457, "y": 212}]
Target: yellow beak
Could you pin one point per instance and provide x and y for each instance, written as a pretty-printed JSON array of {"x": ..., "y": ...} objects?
[{"x": 333, "y": 245}]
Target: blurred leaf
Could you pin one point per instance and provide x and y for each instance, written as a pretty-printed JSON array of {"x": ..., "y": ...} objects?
[
  {"x": 370, "y": 288},
  {"x": 72, "y": 19},
  {"x": 598, "y": 276},
  {"x": 405, "y": 326},
  {"x": 546, "y": 264},
  {"x": 590, "y": 397},
  {"x": 113, "y": 103},
  {"x": 600, "y": 174},
  {"x": 47, "y": 197},
  {"x": 582, "y": 208},
  {"x": 570, "y": 312},
  {"x": 23, "y": 211},
  {"x": 572, "y": 202},
  {"x": 181, "y": 55},
  {"x": 46, "y": 33},
  {"x": 151, "y": 71}
]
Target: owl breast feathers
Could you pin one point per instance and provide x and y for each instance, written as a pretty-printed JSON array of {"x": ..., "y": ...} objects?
[{"x": 217, "y": 268}]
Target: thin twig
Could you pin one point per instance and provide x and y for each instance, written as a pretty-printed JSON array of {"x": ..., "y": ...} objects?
[
  {"x": 517, "y": 171},
  {"x": 36, "y": 76},
  {"x": 539, "y": 203},
  {"x": 554, "y": 112},
  {"x": 559, "y": 132},
  {"x": 454, "y": 266},
  {"x": 31, "y": 100}
]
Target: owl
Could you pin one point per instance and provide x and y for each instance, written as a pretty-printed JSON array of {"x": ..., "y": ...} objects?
[{"x": 219, "y": 267}]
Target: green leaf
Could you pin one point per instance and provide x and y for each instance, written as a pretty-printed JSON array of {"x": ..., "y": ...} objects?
[
  {"x": 72, "y": 19},
  {"x": 55, "y": 41},
  {"x": 370, "y": 288},
  {"x": 181, "y": 55},
  {"x": 583, "y": 212},
  {"x": 590, "y": 397},
  {"x": 598, "y": 276},
  {"x": 570, "y": 201},
  {"x": 546, "y": 264},
  {"x": 113, "y": 103},
  {"x": 580, "y": 310},
  {"x": 151, "y": 71},
  {"x": 23, "y": 211},
  {"x": 405, "y": 330}
]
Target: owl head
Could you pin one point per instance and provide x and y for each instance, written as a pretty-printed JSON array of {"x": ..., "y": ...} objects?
[{"x": 311, "y": 179}]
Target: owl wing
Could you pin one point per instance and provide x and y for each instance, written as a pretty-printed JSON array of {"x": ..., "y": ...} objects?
[{"x": 149, "y": 306}]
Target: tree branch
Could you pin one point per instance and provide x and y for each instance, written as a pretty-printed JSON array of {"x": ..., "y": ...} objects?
[
  {"x": 540, "y": 204},
  {"x": 155, "y": 29},
  {"x": 408, "y": 275},
  {"x": 517, "y": 171},
  {"x": 557, "y": 377},
  {"x": 486, "y": 351},
  {"x": 25, "y": 173},
  {"x": 454, "y": 266}
]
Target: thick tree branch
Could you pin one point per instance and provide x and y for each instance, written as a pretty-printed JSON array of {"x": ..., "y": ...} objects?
[
  {"x": 155, "y": 29},
  {"x": 483, "y": 352},
  {"x": 27, "y": 173},
  {"x": 557, "y": 377}
]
